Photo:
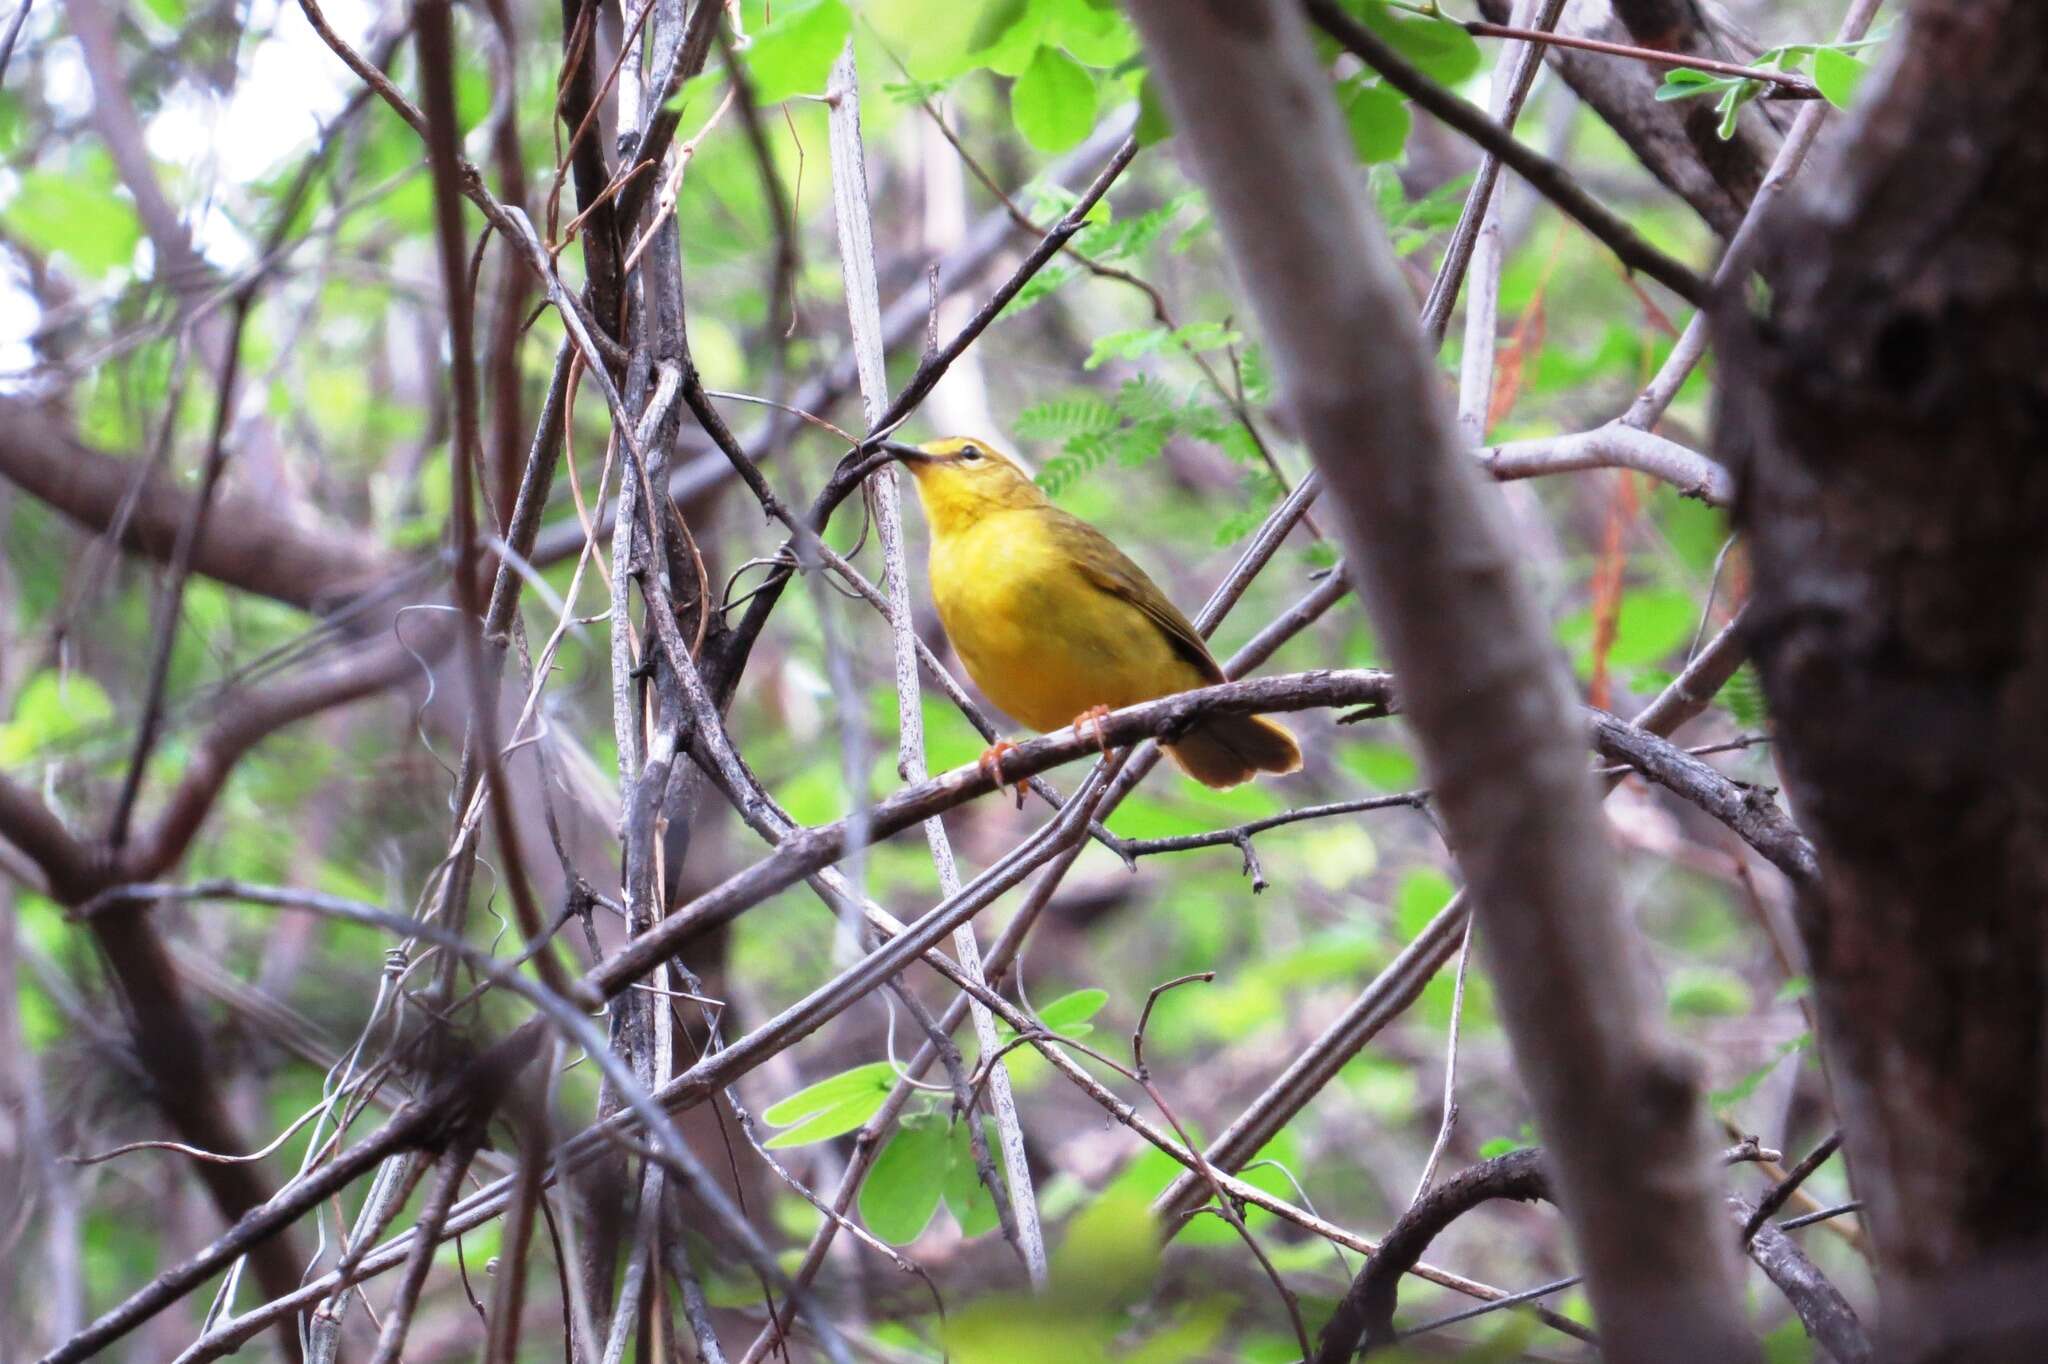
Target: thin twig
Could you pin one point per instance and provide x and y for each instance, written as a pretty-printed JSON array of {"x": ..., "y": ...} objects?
[
  {"x": 1443, "y": 1132},
  {"x": 1769, "y": 1204},
  {"x": 1791, "y": 85}
]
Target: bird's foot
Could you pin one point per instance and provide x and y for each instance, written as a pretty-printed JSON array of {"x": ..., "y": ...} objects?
[
  {"x": 1091, "y": 720},
  {"x": 991, "y": 765}
]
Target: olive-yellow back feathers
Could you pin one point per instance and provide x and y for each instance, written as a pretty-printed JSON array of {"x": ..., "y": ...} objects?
[{"x": 1054, "y": 621}]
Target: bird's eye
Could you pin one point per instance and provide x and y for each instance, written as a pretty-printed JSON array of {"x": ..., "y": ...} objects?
[{"x": 970, "y": 452}]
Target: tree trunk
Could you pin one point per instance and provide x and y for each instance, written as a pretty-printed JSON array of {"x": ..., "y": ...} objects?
[{"x": 1888, "y": 417}]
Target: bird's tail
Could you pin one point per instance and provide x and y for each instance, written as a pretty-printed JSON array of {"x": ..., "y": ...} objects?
[{"x": 1227, "y": 749}]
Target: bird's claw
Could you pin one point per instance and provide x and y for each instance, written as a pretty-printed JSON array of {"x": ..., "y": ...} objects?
[
  {"x": 1091, "y": 720},
  {"x": 991, "y": 765}
]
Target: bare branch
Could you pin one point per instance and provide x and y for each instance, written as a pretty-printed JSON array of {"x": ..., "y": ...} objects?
[
  {"x": 1483, "y": 689},
  {"x": 857, "y": 257},
  {"x": 1613, "y": 446}
]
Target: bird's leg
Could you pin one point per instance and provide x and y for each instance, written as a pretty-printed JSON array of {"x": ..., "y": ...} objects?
[
  {"x": 1091, "y": 719},
  {"x": 991, "y": 764}
]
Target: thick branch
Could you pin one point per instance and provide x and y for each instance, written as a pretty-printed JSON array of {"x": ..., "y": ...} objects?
[
  {"x": 1750, "y": 811},
  {"x": 1613, "y": 446},
  {"x": 1884, "y": 415},
  {"x": 1483, "y": 687},
  {"x": 247, "y": 544}
]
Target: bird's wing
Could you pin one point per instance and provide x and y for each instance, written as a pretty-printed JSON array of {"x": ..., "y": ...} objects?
[{"x": 1110, "y": 570}]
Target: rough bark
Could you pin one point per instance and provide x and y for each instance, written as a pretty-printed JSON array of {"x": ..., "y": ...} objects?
[
  {"x": 1484, "y": 688},
  {"x": 1887, "y": 418}
]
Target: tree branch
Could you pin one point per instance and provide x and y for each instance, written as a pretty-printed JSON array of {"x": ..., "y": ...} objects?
[{"x": 1483, "y": 688}]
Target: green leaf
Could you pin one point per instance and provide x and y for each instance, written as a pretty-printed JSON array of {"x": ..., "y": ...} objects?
[
  {"x": 1143, "y": 398},
  {"x": 1236, "y": 441},
  {"x": 1440, "y": 47},
  {"x": 1708, "y": 992},
  {"x": 1201, "y": 336},
  {"x": 1256, "y": 375},
  {"x": 1154, "y": 124},
  {"x": 967, "y": 1198},
  {"x": 1377, "y": 117},
  {"x": 996, "y": 19},
  {"x": 1837, "y": 74},
  {"x": 1053, "y": 102},
  {"x": 1747, "y": 1085},
  {"x": 53, "y": 709},
  {"x": 1134, "y": 445},
  {"x": 1388, "y": 767},
  {"x": 1788, "y": 1343},
  {"x": 1131, "y": 237},
  {"x": 793, "y": 55},
  {"x": 1423, "y": 893},
  {"x": 1064, "y": 418},
  {"x": 1651, "y": 625},
  {"x": 1006, "y": 1328},
  {"x": 1041, "y": 285},
  {"x": 1069, "y": 1014},
  {"x": 903, "y": 1189},
  {"x": 1109, "y": 1254},
  {"x": 1499, "y": 1146},
  {"x": 1731, "y": 108},
  {"x": 1133, "y": 344},
  {"x": 77, "y": 213},
  {"x": 1093, "y": 34},
  {"x": 833, "y": 1106},
  {"x": 1743, "y": 695},
  {"x": 1685, "y": 83},
  {"x": 1193, "y": 1336},
  {"x": 1239, "y": 524}
]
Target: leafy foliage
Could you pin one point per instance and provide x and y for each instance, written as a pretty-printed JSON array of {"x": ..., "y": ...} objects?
[
  {"x": 1837, "y": 72},
  {"x": 1101, "y": 364}
]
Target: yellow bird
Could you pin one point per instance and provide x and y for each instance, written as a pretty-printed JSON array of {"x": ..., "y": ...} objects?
[{"x": 1056, "y": 625}]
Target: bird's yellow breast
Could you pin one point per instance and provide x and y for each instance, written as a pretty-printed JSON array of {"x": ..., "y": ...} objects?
[{"x": 1042, "y": 641}]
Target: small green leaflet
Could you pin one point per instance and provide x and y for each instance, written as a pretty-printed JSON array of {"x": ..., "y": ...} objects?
[
  {"x": 1137, "y": 426},
  {"x": 1438, "y": 45},
  {"x": 1377, "y": 118},
  {"x": 1041, "y": 285},
  {"x": 1053, "y": 102},
  {"x": 1747, "y": 1085},
  {"x": 996, "y": 19},
  {"x": 1064, "y": 418},
  {"x": 1139, "y": 342},
  {"x": 902, "y": 1191},
  {"x": 1154, "y": 126},
  {"x": 832, "y": 1106},
  {"x": 1837, "y": 74},
  {"x": 1068, "y": 1015},
  {"x": 55, "y": 708},
  {"x": 927, "y": 1159},
  {"x": 1128, "y": 238},
  {"x": 793, "y": 55}
]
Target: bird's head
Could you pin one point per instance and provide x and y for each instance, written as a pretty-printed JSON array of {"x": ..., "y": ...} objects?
[{"x": 961, "y": 479}]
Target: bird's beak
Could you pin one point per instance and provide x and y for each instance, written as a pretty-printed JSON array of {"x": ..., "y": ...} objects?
[{"x": 909, "y": 454}]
